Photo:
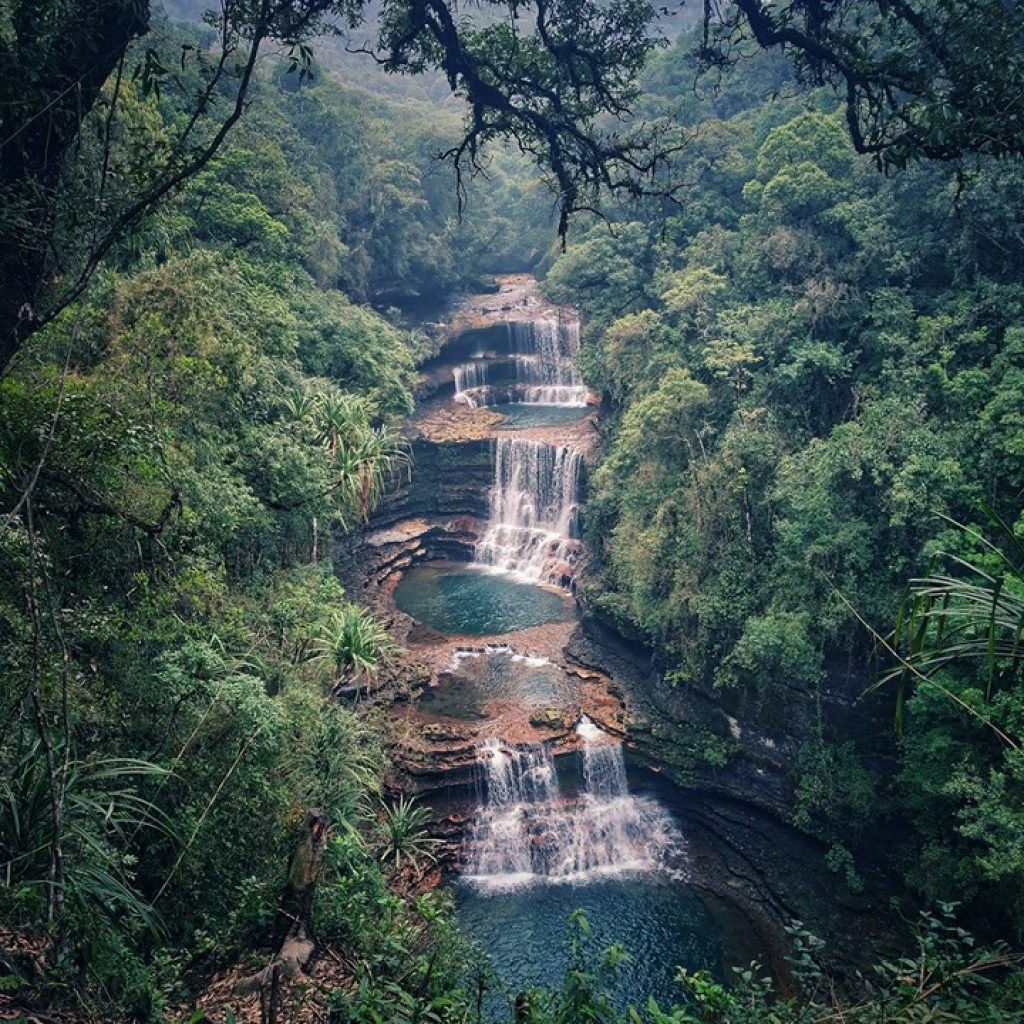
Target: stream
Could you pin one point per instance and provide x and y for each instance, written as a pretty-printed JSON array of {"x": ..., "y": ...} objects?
[{"x": 518, "y": 748}]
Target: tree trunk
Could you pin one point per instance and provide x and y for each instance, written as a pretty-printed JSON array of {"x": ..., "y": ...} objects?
[
  {"x": 293, "y": 917},
  {"x": 51, "y": 74},
  {"x": 293, "y": 927}
]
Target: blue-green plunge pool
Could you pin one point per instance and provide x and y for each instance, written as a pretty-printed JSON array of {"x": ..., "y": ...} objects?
[
  {"x": 523, "y": 933},
  {"x": 452, "y": 597},
  {"x": 523, "y": 415}
]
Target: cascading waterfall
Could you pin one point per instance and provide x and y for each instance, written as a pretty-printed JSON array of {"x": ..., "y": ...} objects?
[
  {"x": 604, "y": 767},
  {"x": 545, "y": 353},
  {"x": 471, "y": 384},
  {"x": 527, "y": 832},
  {"x": 532, "y": 525}
]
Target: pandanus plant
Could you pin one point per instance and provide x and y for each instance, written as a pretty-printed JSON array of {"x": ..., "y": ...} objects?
[
  {"x": 341, "y": 418},
  {"x": 300, "y": 405},
  {"x": 368, "y": 463},
  {"x": 973, "y": 613},
  {"x": 355, "y": 645},
  {"x": 406, "y": 839},
  {"x": 364, "y": 457}
]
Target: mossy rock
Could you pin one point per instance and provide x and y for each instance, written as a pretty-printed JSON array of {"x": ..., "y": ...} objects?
[{"x": 548, "y": 718}]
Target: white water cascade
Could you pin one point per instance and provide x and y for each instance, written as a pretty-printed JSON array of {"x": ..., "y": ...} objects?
[
  {"x": 471, "y": 384},
  {"x": 534, "y": 505},
  {"x": 527, "y": 832},
  {"x": 546, "y": 351}
]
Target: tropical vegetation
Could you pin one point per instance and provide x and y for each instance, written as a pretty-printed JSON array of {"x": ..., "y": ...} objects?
[{"x": 217, "y": 258}]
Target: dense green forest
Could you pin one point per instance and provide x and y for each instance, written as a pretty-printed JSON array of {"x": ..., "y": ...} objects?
[
  {"x": 178, "y": 449},
  {"x": 815, "y": 374},
  {"x": 812, "y": 376}
]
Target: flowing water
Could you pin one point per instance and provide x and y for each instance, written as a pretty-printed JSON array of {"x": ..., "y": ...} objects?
[
  {"x": 476, "y": 678},
  {"x": 661, "y": 924},
  {"x": 471, "y": 386},
  {"x": 534, "y": 508},
  {"x": 550, "y": 834},
  {"x": 528, "y": 832},
  {"x": 539, "y": 852},
  {"x": 546, "y": 352}
]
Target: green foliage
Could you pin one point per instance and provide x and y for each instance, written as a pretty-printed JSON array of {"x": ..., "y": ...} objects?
[
  {"x": 167, "y": 601},
  {"x": 811, "y": 370},
  {"x": 956, "y": 671},
  {"x": 354, "y": 646},
  {"x": 406, "y": 839},
  {"x": 804, "y": 362},
  {"x": 102, "y": 814},
  {"x": 408, "y": 962}
]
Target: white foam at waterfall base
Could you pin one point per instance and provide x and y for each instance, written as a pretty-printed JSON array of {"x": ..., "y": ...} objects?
[
  {"x": 531, "y": 661},
  {"x": 532, "y": 524},
  {"x": 527, "y": 833},
  {"x": 587, "y": 731}
]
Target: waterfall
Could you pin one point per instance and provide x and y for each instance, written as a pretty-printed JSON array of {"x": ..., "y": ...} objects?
[
  {"x": 527, "y": 831},
  {"x": 604, "y": 767},
  {"x": 532, "y": 524},
  {"x": 545, "y": 353},
  {"x": 517, "y": 782},
  {"x": 471, "y": 384}
]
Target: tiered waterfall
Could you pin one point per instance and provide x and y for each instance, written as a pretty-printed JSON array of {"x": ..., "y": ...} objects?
[
  {"x": 527, "y": 831},
  {"x": 546, "y": 353}
]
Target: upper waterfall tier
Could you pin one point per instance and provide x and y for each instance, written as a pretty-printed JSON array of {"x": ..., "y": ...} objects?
[
  {"x": 506, "y": 361},
  {"x": 535, "y": 365},
  {"x": 546, "y": 351},
  {"x": 532, "y": 526}
]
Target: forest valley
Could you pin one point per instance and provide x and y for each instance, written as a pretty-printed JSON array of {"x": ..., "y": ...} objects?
[{"x": 795, "y": 235}]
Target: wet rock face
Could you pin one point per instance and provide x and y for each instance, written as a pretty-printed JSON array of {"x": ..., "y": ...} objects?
[
  {"x": 436, "y": 513},
  {"x": 728, "y": 744},
  {"x": 686, "y": 732},
  {"x": 450, "y": 478},
  {"x": 551, "y": 718},
  {"x": 444, "y": 732}
]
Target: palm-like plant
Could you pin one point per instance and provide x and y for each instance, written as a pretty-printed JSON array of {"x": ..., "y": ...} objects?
[
  {"x": 102, "y": 814},
  {"x": 363, "y": 457},
  {"x": 973, "y": 613},
  {"x": 406, "y": 839},
  {"x": 340, "y": 418},
  {"x": 381, "y": 453},
  {"x": 355, "y": 646},
  {"x": 300, "y": 405}
]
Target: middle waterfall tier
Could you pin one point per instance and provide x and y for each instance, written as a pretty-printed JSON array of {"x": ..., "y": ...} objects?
[{"x": 532, "y": 527}]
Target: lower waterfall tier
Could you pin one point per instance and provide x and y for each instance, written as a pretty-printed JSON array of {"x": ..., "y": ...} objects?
[{"x": 527, "y": 831}]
